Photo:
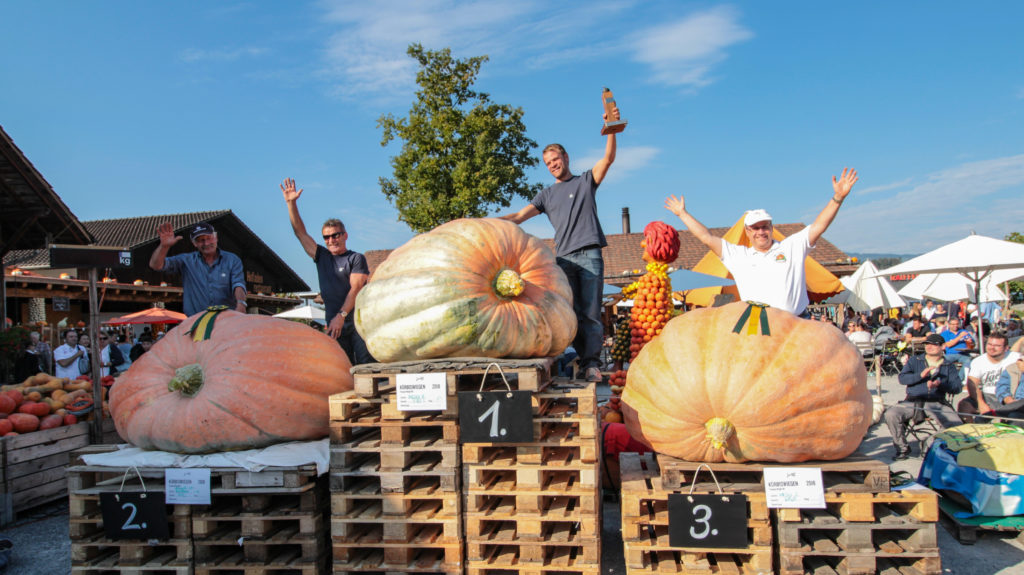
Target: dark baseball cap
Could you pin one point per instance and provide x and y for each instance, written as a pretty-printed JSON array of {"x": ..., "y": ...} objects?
[
  {"x": 935, "y": 339},
  {"x": 201, "y": 229}
]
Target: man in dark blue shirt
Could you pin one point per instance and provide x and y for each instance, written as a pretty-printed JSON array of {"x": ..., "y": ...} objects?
[
  {"x": 341, "y": 272},
  {"x": 209, "y": 275},
  {"x": 571, "y": 206},
  {"x": 929, "y": 378}
]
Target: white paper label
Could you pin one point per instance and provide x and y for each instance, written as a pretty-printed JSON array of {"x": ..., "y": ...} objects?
[
  {"x": 794, "y": 487},
  {"x": 421, "y": 391},
  {"x": 190, "y": 486}
]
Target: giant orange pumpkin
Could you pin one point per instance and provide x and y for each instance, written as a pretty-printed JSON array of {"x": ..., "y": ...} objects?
[
  {"x": 701, "y": 392},
  {"x": 255, "y": 382},
  {"x": 470, "y": 287}
]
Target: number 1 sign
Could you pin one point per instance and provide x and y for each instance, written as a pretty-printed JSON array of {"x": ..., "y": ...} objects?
[{"x": 495, "y": 417}]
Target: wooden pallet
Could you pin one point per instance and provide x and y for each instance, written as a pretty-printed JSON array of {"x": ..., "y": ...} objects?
[
  {"x": 400, "y": 559},
  {"x": 368, "y": 448},
  {"x": 463, "y": 374},
  {"x": 866, "y": 564},
  {"x": 645, "y": 527},
  {"x": 895, "y": 507},
  {"x": 851, "y": 475},
  {"x": 967, "y": 529},
  {"x": 163, "y": 563},
  {"x": 285, "y": 561},
  {"x": 350, "y": 406},
  {"x": 570, "y": 555}
]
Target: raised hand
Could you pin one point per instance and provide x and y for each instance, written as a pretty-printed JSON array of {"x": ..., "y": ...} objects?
[
  {"x": 289, "y": 191},
  {"x": 675, "y": 205},
  {"x": 845, "y": 183},
  {"x": 167, "y": 237}
]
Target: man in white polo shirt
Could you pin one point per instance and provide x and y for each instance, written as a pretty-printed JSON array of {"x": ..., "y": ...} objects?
[{"x": 769, "y": 272}]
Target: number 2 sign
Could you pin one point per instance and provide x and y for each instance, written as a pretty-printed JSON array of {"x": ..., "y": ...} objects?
[{"x": 134, "y": 515}]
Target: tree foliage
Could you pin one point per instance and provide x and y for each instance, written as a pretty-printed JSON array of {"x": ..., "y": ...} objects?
[
  {"x": 1015, "y": 287},
  {"x": 462, "y": 154}
]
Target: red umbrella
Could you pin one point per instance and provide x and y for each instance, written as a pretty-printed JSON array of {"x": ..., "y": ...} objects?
[{"x": 153, "y": 315}]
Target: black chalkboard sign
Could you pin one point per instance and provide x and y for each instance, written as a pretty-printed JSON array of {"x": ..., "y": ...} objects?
[
  {"x": 707, "y": 521},
  {"x": 134, "y": 515},
  {"x": 495, "y": 417}
]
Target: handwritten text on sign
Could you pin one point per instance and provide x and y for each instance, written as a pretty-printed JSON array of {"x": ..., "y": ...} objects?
[
  {"x": 794, "y": 487},
  {"x": 421, "y": 391}
]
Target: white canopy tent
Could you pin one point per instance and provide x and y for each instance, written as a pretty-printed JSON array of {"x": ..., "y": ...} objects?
[
  {"x": 308, "y": 312},
  {"x": 865, "y": 290}
]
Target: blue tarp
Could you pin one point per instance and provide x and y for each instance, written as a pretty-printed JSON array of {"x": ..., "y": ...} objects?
[{"x": 989, "y": 492}]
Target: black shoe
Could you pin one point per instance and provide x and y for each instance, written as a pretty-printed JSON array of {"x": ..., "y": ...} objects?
[{"x": 901, "y": 455}]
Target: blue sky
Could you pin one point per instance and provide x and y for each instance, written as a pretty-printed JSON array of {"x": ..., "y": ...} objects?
[{"x": 133, "y": 108}]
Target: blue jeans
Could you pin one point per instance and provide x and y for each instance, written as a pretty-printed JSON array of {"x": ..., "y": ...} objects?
[
  {"x": 585, "y": 271},
  {"x": 965, "y": 362}
]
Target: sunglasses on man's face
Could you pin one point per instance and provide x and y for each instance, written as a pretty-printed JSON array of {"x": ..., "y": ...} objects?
[{"x": 333, "y": 236}]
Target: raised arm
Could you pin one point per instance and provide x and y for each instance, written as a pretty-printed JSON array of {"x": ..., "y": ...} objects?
[
  {"x": 602, "y": 165},
  {"x": 840, "y": 189},
  {"x": 678, "y": 207},
  {"x": 291, "y": 198},
  {"x": 167, "y": 239},
  {"x": 522, "y": 215}
]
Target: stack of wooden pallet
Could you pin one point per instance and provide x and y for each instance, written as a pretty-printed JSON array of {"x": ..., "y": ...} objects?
[
  {"x": 865, "y": 527},
  {"x": 536, "y": 507},
  {"x": 270, "y": 520}
]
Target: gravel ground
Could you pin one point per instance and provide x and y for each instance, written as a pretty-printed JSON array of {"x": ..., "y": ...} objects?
[{"x": 42, "y": 547}]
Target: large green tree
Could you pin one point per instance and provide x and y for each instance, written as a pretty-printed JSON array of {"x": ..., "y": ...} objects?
[
  {"x": 462, "y": 154},
  {"x": 1019, "y": 238}
]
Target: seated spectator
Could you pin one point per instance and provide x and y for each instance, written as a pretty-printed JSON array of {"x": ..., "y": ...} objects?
[
  {"x": 861, "y": 337},
  {"x": 929, "y": 378},
  {"x": 916, "y": 331},
  {"x": 885, "y": 333},
  {"x": 985, "y": 377},
  {"x": 958, "y": 341}
]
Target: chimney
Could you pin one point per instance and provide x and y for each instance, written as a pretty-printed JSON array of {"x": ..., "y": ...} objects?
[{"x": 625, "y": 220}]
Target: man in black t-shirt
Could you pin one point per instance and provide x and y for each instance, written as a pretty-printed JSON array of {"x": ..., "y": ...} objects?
[
  {"x": 917, "y": 330},
  {"x": 341, "y": 272}
]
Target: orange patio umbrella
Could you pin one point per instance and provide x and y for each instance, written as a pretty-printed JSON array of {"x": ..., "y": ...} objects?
[
  {"x": 154, "y": 315},
  {"x": 821, "y": 283}
]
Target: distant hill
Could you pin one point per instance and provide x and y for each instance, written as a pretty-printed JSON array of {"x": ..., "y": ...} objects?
[{"x": 874, "y": 257}]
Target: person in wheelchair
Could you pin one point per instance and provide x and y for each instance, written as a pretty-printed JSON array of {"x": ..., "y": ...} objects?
[{"x": 929, "y": 378}]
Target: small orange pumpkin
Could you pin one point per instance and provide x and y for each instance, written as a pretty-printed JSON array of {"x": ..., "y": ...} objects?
[
  {"x": 701, "y": 392},
  {"x": 255, "y": 382}
]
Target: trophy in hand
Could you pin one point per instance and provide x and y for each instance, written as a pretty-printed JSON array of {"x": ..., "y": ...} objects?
[{"x": 611, "y": 126}]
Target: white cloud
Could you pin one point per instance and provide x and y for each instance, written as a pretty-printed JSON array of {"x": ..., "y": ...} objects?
[
  {"x": 628, "y": 159},
  {"x": 220, "y": 54},
  {"x": 365, "y": 54},
  {"x": 683, "y": 52},
  {"x": 983, "y": 197}
]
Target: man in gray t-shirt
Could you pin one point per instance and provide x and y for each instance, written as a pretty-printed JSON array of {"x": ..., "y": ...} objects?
[{"x": 571, "y": 208}]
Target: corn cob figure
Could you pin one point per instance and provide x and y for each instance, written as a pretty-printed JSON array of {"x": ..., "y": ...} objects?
[{"x": 652, "y": 299}]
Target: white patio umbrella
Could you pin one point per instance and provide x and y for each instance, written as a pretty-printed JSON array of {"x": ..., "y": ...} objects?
[
  {"x": 955, "y": 287},
  {"x": 308, "y": 312},
  {"x": 867, "y": 291},
  {"x": 974, "y": 257}
]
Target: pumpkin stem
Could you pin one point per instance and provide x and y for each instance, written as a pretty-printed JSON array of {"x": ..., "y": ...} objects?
[
  {"x": 187, "y": 380},
  {"x": 508, "y": 283},
  {"x": 719, "y": 431}
]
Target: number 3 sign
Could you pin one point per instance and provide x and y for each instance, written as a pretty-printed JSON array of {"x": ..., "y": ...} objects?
[{"x": 707, "y": 521}]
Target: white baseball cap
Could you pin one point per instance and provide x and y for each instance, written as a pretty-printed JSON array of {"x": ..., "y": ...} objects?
[{"x": 754, "y": 216}]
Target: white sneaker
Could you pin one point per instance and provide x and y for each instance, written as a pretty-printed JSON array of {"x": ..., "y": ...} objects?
[{"x": 594, "y": 375}]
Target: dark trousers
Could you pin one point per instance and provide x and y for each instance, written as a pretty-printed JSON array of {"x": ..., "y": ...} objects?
[{"x": 353, "y": 345}]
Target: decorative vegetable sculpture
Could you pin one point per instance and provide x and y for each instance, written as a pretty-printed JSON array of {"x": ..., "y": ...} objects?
[
  {"x": 702, "y": 392},
  {"x": 255, "y": 381},
  {"x": 470, "y": 287}
]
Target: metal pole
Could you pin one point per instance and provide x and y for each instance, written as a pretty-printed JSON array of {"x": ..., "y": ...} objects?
[{"x": 96, "y": 427}]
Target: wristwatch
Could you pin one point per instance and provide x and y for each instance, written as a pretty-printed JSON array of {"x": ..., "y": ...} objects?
[{"x": 343, "y": 314}]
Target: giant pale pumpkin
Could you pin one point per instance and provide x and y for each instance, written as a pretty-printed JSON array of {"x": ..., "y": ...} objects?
[
  {"x": 255, "y": 382},
  {"x": 470, "y": 287},
  {"x": 701, "y": 392}
]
